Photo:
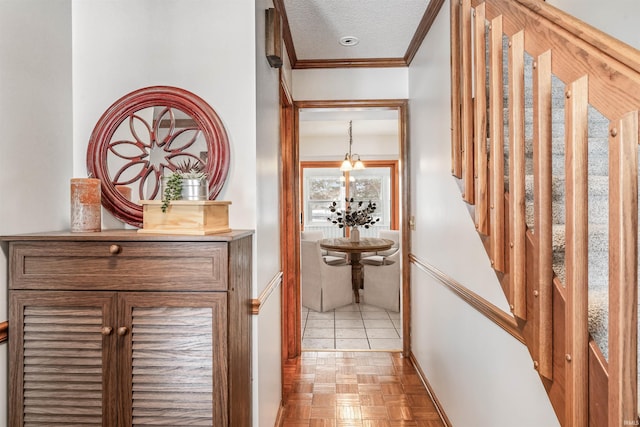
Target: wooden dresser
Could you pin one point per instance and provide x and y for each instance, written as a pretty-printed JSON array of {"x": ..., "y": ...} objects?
[{"x": 119, "y": 329}]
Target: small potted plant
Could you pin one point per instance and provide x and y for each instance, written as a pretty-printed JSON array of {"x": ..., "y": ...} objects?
[
  {"x": 352, "y": 216},
  {"x": 187, "y": 182}
]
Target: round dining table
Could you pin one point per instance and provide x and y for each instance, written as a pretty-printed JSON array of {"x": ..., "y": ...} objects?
[{"x": 354, "y": 251}]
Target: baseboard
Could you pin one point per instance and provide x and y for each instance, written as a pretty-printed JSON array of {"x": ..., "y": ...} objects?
[
  {"x": 280, "y": 416},
  {"x": 432, "y": 395}
]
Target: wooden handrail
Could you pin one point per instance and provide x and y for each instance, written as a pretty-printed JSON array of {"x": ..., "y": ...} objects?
[
  {"x": 601, "y": 41},
  {"x": 490, "y": 311},
  {"x": 259, "y": 302},
  {"x": 599, "y": 72},
  {"x": 4, "y": 331}
]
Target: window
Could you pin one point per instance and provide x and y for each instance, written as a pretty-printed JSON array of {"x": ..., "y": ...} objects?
[{"x": 322, "y": 183}]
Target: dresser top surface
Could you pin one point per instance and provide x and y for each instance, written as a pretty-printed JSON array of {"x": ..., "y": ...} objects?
[{"x": 125, "y": 235}]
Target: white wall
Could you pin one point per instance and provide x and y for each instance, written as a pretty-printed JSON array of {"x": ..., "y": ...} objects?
[
  {"x": 334, "y": 147},
  {"x": 214, "y": 49},
  {"x": 618, "y": 18},
  {"x": 35, "y": 106},
  {"x": 481, "y": 375},
  {"x": 350, "y": 83},
  {"x": 267, "y": 331},
  {"x": 63, "y": 62},
  {"x": 204, "y": 46}
]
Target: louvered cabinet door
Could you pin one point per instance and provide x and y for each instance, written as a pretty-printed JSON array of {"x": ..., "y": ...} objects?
[
  {"x": 173, "y": 359},
  {"x": 61, "y": 364}
]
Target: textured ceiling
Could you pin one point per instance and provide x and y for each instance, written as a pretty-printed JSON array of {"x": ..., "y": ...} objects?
[{"x": 384, "y": 28}]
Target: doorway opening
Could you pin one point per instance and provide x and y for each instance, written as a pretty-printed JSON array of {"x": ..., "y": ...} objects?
[{"x": 385, "y": 172}]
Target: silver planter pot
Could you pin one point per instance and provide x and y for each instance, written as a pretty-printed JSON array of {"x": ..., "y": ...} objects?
[{"x": 192, "y": 189}]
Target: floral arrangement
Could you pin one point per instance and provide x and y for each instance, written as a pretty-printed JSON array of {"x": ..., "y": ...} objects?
[{"x": 353, "y": 216}]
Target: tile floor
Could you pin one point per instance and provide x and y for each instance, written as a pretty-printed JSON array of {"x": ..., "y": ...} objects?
[
  {"x": 356, "y": 389},
  {"x": 352, "y": 327}
]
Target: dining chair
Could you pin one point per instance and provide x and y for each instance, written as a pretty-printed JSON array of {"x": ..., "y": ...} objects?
[
  {"x": 324, "y": 287},
  {"x": 382, "y": 283},
  {"x": 332, "y": 258},
  {"x": 377, "y": 258}
]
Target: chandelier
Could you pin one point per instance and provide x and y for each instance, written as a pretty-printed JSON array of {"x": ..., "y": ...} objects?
[{"x": 351, "y": 161}]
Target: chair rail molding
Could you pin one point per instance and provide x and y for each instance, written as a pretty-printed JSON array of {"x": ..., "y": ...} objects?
[
  {"x": 4, "y": 330},
  {"x": 256, "y": 303},
  {"x": 490, "y": 311}
]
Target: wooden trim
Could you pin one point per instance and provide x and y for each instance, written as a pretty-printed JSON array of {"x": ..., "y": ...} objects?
[
  {"x": 576, "y": 253},
  {"x": 585, "y": 32},
  {"x": 262, "y": 299},
  {"x": 467, "y": 104},
  {"x": 280, "y": 415},
  {"x": 391, "y": 104},
  {"x": 496, "y": 175},
  {"x": 439, "y": 408},
  {"x": 623, "y": 277},
  {"x": 484, "y": 307},
  {"x": 289, "y": 227},
  {"x": 543, "y": 222},
  {"x": 350, "y": 63},
  {"x": 290, "y": 239},
  {"x": 574, "y": 57},
  {"x": 456, "y": 120},
  {"x": 480, "y": 128},
  {"x": 424, "y": 26},
  {"x": 4, "y": 331},
  {"x": 286, "y": 32},
  {"x": 405, "y": 226},
  {"x": 517, "y": 218}
]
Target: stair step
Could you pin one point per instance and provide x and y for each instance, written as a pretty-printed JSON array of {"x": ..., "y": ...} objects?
[
  {"x": 598, "y": 237},
  {"x": 598, "y": 211},
  {"x": 598, "y": 186}
]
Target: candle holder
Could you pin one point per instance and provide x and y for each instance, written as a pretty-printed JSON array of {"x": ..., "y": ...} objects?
[{"x": 85, "y": 205}]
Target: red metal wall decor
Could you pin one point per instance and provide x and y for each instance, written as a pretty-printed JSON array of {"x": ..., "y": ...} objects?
[{"x": 146, "y": 132}]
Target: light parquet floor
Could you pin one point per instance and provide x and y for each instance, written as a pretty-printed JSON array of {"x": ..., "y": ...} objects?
[{"x": 356, "y": 389}]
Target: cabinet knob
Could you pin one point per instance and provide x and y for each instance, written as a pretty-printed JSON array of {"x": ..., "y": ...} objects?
[
  {"x": 123, "y": 330},
  {"x": 106, "y": 330},
  {"x": 115, "y": 249}
]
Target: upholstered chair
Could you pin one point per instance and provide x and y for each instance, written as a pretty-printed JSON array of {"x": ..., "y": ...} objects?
[
  {"x": 324, "y": 286},
  {"x": 330, "y": 257},
  {"x": 377, "y": 258},
  {"x": 382, "y": 283}
]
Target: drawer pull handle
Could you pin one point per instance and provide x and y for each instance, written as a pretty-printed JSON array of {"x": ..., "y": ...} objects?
[
  {"x": 106, "y": 330},
  {"x": 122, "y": 331},
  {"x": 115, "y": 249}
]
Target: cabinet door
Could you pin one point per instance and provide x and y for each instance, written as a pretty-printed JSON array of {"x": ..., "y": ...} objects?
[
  {"x": 173, "y": 359},
  {"x": 61, "y": 359}
]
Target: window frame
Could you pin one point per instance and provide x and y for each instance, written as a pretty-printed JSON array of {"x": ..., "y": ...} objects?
[{"x": 394, "y": 185}]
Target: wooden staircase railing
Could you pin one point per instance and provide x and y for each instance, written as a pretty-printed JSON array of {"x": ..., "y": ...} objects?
[{"x": 598, "y": 71}]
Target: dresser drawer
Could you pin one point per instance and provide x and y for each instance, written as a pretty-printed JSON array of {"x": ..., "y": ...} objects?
[{"x": 104, "y": 265}]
